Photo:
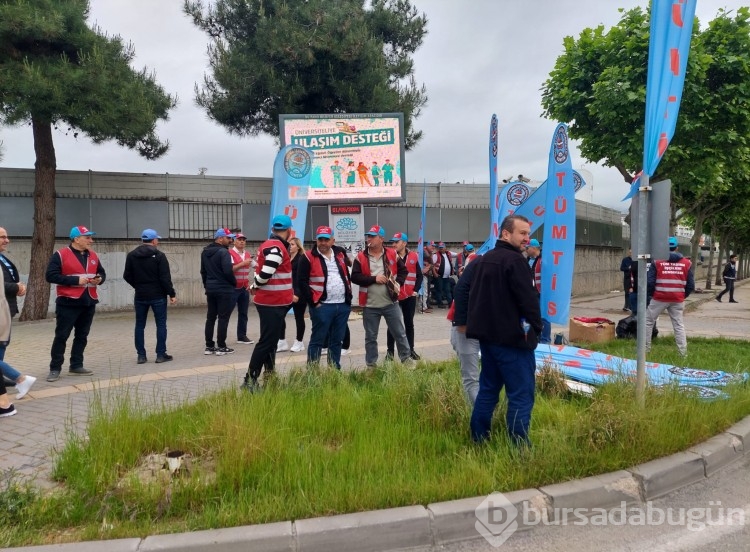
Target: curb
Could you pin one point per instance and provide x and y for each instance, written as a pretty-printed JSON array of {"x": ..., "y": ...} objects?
[{"x": 442, "y": 523}]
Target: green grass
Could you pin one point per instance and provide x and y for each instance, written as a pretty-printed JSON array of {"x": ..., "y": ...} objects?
[{"x": 322, "y": 443}]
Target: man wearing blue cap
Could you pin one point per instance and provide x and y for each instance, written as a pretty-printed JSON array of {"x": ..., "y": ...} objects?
[
  {"x": 669, "y": 283},
  {"x": 407, "y": 297},
  {"x": 273, "y": 293},
  {"x": 77, "y": 272},
  {"x": 219, "y": 282},
  {"x": 147, "y": 271}
]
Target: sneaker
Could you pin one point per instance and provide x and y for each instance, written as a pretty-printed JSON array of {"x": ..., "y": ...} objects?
[
  {"x": 415, "y": 356},
  {"x": 345, "y": 352},
  {"x": 54, "y": 375},
  {"x": 23, "y": 387},
  {"x": 209, "y": 351},
  {"x": 733, "y": 301},
  {"x": 282, "y": 346},
  {"x": 245, "y": 341},
  {"x": 298, "y": 346},
  {"x": 163, "y": 358},
  {"x": 142, "y": 359},
  {"x": 80, "y": 371},
  {"x": 223, "y": 351},
  {"x": 10, "y": 411},
  {"x": 718, "y": 298}
]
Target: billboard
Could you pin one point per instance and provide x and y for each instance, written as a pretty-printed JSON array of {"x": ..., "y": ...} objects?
[{"x": 358, "y": 157}]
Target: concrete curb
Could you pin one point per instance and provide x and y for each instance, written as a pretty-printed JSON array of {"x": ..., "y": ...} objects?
[{"x": 429, "y": 528}]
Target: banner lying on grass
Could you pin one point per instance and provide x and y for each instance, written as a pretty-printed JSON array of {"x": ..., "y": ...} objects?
[{"x": 597, "y": 368}]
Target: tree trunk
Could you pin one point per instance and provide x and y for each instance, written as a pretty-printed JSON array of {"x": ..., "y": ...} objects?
[
  {"x": 43, "y": 240},
  {"x": 695, "y": 241},
  {"x": 709, "y": 273}
]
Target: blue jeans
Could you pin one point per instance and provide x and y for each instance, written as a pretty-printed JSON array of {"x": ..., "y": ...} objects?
[
  {"x": 328, "y": 324},
  {"x": 443, "y": 290},
  {"x": 7, "y": 370},
  {"x": 159, "y": 306},
  {"x": 241, "y": 298},
  {"x": 512, "y": 368},
  {"x": 395, "y": 322}
]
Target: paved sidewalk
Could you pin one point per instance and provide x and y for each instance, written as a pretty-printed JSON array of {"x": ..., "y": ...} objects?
[{"x": 50, "y": 409}]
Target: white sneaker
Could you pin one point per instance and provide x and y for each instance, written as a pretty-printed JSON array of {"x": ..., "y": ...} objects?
[
  {"x": 298, "y": 346},
  {"x": 23, "y": 387},
  {"x": 345, "y": 352},
  {"x": 282, "y": 346}
]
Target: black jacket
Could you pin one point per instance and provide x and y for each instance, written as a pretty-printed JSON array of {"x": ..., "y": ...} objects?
[
  {"x": 12, "y": 278},
  {"x": 216, "y": 269},
  {"x": 303, "y": 277},
  {"x": 500, "y": 295},
  {"x": 55, "y": 276},
  {"x": 147, "y": 271}
]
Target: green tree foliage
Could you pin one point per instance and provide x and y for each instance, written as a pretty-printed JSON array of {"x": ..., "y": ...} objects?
[
  {"x": 57, "y": 72},
  {"x": 272, "y": 57}
]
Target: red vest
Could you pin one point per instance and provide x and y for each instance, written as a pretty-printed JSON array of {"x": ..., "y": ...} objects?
[
  {"x": 671, "y": 279},
  {"x": 441, "y": 260},
  {"x": 71, "y": 266},
  {"x": 318, "y": 277},
  {"x": 411, "y": 278},
  {"x": 242, "y": 275},
  {"x": 278, "y": 291},
  {"x": 538, "y": 273},
  {"x": 364, "y": 264}
]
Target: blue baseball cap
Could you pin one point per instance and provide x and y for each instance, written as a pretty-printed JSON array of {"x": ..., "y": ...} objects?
[
  {"x": 400, "y": 236},
  {"x": 150, "y": 234},
  {"x": 281, "y": 222},
  {"x": 672, "y": 242},
  {"x": 534, "y": 243},
  {"x": 78, "y": 231},
  {"x": 376, "y": 231},
  {"x": 223, "y": 233},
  {"x": 469, "y": 247}
]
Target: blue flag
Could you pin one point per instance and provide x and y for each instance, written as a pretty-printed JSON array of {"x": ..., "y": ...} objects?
[
  {"x": 291, "y": 181},
  {"x": 420, "y": 243},
  {"x": 533, "y": 208},
  {"x": 559, "y": 242},
  {"x": 668, "y": 49}
]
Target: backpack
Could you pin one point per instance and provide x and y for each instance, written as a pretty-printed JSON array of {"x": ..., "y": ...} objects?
[{"x": 627, "y": 328}]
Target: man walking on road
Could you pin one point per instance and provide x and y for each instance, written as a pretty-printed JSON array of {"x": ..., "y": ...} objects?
[
  {"x": 77, "y": 272},
  {"x": 147, "y": 271},
  {"x": 729, "y": 275},
  {"x": 219, "y": 282},
  {"x": 504, "y": 315},
  {"x": 242, "y": 263}
]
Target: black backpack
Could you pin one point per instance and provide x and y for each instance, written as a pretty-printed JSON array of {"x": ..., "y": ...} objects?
[{"x": 627, "y": 328}]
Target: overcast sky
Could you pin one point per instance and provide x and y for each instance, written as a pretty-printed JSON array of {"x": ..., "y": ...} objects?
[{"x": 479, "y": 57}]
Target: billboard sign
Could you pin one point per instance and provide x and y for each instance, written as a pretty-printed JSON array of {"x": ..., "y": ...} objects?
[{"x": 358, "y": 157}]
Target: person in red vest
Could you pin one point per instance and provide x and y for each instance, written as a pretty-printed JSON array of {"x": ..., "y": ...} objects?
[
  {"x": 325, "y": 286},
  {"x": 407, "y": 297},
  {"x": 273, "y": 294},
  {"x": 669, "y": 283},
  {"x": 242, "y": 263},
  {"x": 77, "y": 272},
  {"x": 379, "y": 273},
  {"x": 443, "y": 270}
]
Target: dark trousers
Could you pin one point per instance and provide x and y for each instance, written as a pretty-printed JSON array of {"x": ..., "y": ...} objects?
[
  {"x": 241, "y": 299},
  {"x": 728, "y": 287},
  {"x": 443, "y": 290},
  {"x": 328, "y": 324},
  {"x": 299, "y": 320},
  {"x": 408, "y": 307},
  {"x": 512, "y": 368},
  {"x": 219, "y": 306},
  {"x": 626, "y": 286},
  {"x": 264, "y": 352},
  {"x": 159, "y": 306},
  {"x": 69, "y": 318}
]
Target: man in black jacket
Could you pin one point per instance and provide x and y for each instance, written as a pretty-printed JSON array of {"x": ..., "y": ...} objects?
[
  {"x": 505, "y": 317},
  {"x": 219, "y": 281},
  {"x": 147, "y": 271}
]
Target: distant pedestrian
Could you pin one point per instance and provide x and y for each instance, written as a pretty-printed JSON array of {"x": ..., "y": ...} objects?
[
  {"x": 242, "y": 264},
  {"x": 729, "y": 275},
  {"x": 670, "y": 282},
  {"x": 219, "y": 282},
  {"x": 6, "y": 407},
  {"x": 625, "y": 266},
  {"x": 147, "y": 271},
  {"x": 409, "y": 293},
  {"x": 296, "y": 252},
  {"x": 466, "y": 348},
  {"x": 442, "y": 261},
  {"x": 273, "y": 292},
  {"x": 76, "y": 271}
]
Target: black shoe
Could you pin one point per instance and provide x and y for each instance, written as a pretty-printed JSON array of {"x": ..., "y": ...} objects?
[
  {"x": 389, "y": 356},
  {"x": 163, "y": 358},
  {"x": 718, "y": 299},
  {"x": 54, "y": 375},
  {"x": 250, "y": 386},
  {"x": 625, "y": 309},
  {"x": 245, "y": 341},
  {"x": 143, "y": 360},
  {"x": 415, "y": 356},
  {"x": 223, "y": 351},
  {"x": 80, "y": 371},
  {"x": 733, "y": 301}
]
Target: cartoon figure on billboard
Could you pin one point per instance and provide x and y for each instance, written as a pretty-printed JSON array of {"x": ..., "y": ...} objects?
[
  {"x": 388, "y": 173},
  {"x": 337, "y": 170},
  {"x": 350, "y": 173},
  {"x": 375, "y": 170},
  {"x": 364, "y": 176}
]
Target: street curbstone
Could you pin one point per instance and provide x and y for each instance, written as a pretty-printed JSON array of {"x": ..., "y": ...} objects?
[
  {"x": 605, "y": 491},
  {"x": 741, "y": 430},
  {"x": 719, "y": 451},
  {"x": 455, "y": 520},
  {"x": 119, "y": 545},
  {"x": 270, "y": 537},
  {"x": 393, "y": 529},
  {"x": 664, "y": 475}
]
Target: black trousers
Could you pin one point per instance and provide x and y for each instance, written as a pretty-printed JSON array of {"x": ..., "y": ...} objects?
[
  {"x": 728, "y": 287},
  {"x": 408, "y": 308},
  {"x": 219, "y": 306},
  {"x": 69, "y": 318},
  {"x": 271, "y": 328},
  {"x": 299, "y": 320}
]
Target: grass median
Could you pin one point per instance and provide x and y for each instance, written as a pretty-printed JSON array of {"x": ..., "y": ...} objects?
[{"x": 320, "y": 442}]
